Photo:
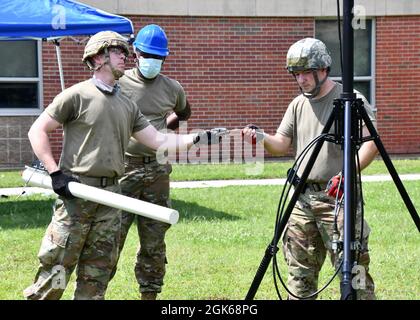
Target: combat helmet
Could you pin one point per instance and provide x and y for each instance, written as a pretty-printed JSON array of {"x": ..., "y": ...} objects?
[
  {"x": 308, "y": 54},
  {"x": 101, "y": 41}
]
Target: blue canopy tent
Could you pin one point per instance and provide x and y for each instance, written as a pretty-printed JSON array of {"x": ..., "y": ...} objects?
[{"x": 56, "y": 19}]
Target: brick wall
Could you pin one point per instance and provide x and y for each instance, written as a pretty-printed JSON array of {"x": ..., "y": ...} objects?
[
  {"x": 233, "y": 72},
  {"x": 231, "y": 68},
  {"x": 15, "y": 150},
  {"x": 397, "y": 83}
]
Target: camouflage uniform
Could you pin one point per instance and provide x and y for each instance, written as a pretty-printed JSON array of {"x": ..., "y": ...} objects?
[
  {"x": 157, "y": 96},
  {"x": 148, "y": 182},
  {"x": 81, "y": 233},
  {"x": 146, "y": 178},
  {"x": 97, "y": 122},
  {"x": 310, "y": 230},
  {"x": 308, "y": 237}
]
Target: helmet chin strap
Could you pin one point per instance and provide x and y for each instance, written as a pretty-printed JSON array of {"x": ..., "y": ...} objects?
[
  {"x": 98, "y": 66},
  {"x": 318, "y": 84},
  {"x": 115, "y": 72}
]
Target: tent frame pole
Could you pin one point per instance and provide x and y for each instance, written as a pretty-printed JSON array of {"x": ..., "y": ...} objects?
[{"x": 60, "y": 66}]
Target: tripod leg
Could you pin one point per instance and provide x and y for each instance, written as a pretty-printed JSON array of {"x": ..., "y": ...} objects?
[
  {"x": 269, "y": 253},
  {"x": 391, "y": 169},
  {"x": 272, "y": 248}
]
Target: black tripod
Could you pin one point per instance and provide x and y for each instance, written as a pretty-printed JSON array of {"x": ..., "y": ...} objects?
[{"x": 346, "y": 110}]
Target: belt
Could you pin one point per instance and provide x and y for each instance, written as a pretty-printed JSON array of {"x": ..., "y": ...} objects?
[
  {"x": 98, "y": 181},
  {"x": 315, "y": 186},
  {"x": 140, "y": 160},
  {"x": 294, "y": 179}
]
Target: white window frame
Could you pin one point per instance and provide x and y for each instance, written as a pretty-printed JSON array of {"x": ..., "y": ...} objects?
[
  {"x": 372, "y": 77},
  {"x": 38, "y": 80}
]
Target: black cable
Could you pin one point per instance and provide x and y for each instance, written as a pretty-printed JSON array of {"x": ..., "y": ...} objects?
[
  {"x": 280, "y": 210},
  {"x": 296, "y": 165},
  {"x": 312, "y": 294},
  {"x": 275, "y": 266}
]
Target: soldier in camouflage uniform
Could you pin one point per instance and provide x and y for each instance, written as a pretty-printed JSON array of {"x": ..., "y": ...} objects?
[
  {"x": 98, "y": 121},
  {"x": 162, "y": 100},
  {"x": 312, "y": 225}
]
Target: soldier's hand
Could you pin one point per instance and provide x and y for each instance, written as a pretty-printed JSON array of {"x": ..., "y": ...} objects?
[
  {"x": 253, "y": 133},
  {"x": 60, "y": 184},
  {"x": 335, "y": 186},
  {"x": 212, "y": 136}
]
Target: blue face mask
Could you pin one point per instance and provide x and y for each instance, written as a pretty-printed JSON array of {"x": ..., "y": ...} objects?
[{"x": 149, "y": 67}]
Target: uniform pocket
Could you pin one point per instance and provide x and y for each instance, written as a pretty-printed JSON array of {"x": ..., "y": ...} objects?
[
  {"x": 286, "y": 246},
  {"x": 53, "y": 244}
]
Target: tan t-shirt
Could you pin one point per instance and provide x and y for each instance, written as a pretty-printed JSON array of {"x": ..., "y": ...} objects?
[
  {"x": 304, "y": 120},
  {"x": 97, "y": 127},
  {"x": 156, "y": 98}
]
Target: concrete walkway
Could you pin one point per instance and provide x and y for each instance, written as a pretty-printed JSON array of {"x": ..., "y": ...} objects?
[
  {"x": 211, "y": 184},
  {"x": 267, "y": 182}
]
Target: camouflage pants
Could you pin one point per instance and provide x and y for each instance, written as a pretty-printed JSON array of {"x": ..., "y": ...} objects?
[
  {"x": 81, "y": 233},
  {"x": 307, "y": 239},
  {"x": 147, "y": 182}
]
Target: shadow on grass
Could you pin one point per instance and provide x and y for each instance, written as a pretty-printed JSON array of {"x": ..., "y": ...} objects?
[
  {"x": 189, "y": 211},
  {"x": 25, "y": 213}
]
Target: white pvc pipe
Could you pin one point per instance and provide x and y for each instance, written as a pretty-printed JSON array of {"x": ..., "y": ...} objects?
[{"x": 37, "y": 178}]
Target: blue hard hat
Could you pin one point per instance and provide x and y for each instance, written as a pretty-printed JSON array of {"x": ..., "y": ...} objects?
[{"x": 152, "y": 39}]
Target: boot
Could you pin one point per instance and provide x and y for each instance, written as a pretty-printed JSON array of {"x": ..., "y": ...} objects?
[{"x": 148, "y": 295}]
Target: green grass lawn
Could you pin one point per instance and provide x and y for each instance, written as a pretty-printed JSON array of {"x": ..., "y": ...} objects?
[
  {"x": 216, "y": 247},
  {"x": 190, "y": 172}
]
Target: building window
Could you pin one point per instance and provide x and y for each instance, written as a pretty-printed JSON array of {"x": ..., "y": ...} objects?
[
  {"x": 20, "y": 77},
  {"x": 327, "y": 31}
]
